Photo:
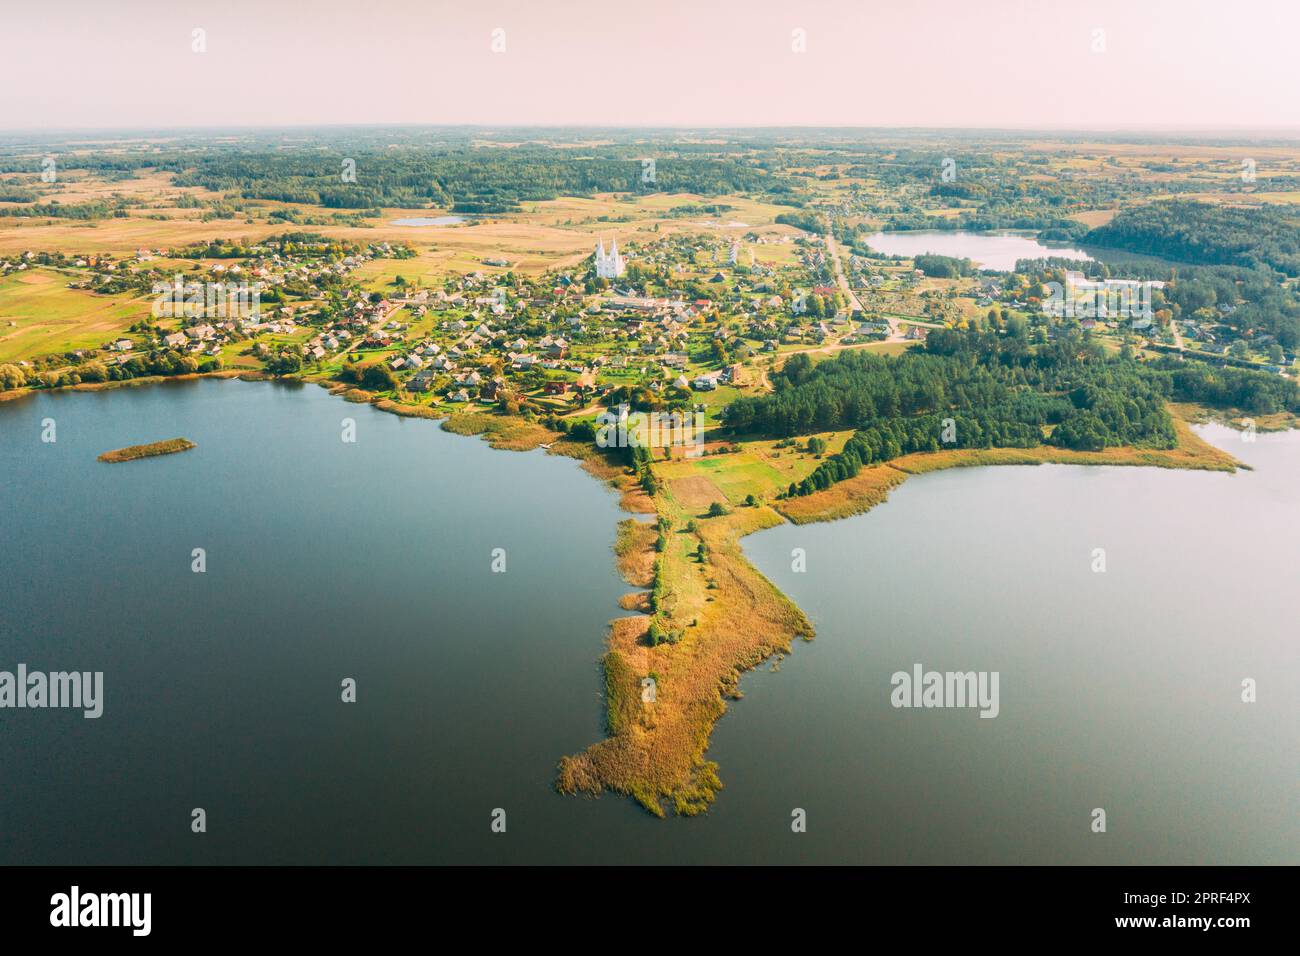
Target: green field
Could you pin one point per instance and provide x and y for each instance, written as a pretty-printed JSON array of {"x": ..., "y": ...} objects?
[{"x": 39, "y": 314}]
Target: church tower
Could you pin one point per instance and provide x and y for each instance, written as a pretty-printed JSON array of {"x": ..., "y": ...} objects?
[{"x": 609, "y": 265}]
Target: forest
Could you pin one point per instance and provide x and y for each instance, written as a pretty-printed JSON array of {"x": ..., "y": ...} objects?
[
  {"x": 982, "y": 389},
  {"x": 1205, "y": 234},
  {"x": 473, "y": 180}
]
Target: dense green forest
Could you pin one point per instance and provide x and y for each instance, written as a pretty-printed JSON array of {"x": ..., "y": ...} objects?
[
  {"x": 981, "y": 389},
  {"x": 479, "y": 180},
  {"x": 1207, "y": 234}
]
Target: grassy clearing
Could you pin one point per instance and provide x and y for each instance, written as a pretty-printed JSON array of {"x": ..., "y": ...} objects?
[{"x": 760, "y": 468}]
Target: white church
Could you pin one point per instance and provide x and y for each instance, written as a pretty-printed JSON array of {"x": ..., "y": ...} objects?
[{"x": 609, "y": 265}]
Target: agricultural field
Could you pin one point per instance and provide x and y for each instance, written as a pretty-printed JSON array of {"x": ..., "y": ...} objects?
[{"x": 39, "y": 314}]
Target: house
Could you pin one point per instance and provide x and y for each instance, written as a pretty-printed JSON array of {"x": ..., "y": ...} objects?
[
  {"x": 555, "y": 388},
  {"x": 458, "y": 396},
  {"x": 421, "y": 381},
  {"x": 705, "y": 383},
  {"x": 123, "y": 345},
  {"x": 175, "y": 340}
]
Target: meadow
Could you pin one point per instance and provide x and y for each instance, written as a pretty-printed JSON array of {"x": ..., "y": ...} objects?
[{"x": 40, "y": 314}]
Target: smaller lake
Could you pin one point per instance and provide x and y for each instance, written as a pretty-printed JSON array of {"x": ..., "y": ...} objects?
[
  {"x": 988, "y": 250},
  {"x": 430, "y": 221}
]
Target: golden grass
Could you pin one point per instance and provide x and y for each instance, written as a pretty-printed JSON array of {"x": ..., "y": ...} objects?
[
  {"x": 634, "y": 548},
  {"x": 636, "y": 601},
  {"x": 407, "y": 411},
  {"x": 133, "y": 452},
  {"x": 868, "y": 488},
  {"x": 501, "y": 431}
]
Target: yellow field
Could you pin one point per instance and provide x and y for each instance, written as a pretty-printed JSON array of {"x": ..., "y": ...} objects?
[{"x": 545, "y": 235}]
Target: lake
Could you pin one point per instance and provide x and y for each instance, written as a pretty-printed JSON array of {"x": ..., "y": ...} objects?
[
  {"x": 988, "y": 250},
  {"x": 372, "y": 560},
  {"x": 429, "y": 221}
]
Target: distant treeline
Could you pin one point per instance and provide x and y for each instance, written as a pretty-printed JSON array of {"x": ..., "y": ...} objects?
[
  {"x": 472, "y": 180},
  {"x": 1208, "y": 234},
  {"x": 56, "y": 210}
]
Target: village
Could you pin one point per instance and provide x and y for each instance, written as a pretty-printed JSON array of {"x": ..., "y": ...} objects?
[
  {"x": 684, "y": 320},
  {"x": 667, "y": 325}
]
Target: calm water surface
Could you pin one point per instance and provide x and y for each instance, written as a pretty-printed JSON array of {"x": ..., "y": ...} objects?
[
  {"x": 988, "y": 250},
  {"x": 372, "y": 560}
]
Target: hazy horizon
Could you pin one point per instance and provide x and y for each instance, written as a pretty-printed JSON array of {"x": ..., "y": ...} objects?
[{"x": 1158, "y": 66}]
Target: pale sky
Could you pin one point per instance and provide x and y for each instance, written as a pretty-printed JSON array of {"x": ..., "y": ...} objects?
[{"x": 1159, "y": 64}]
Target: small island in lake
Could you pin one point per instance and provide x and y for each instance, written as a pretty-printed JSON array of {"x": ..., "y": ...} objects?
[{"x": 169, "y": 447}]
